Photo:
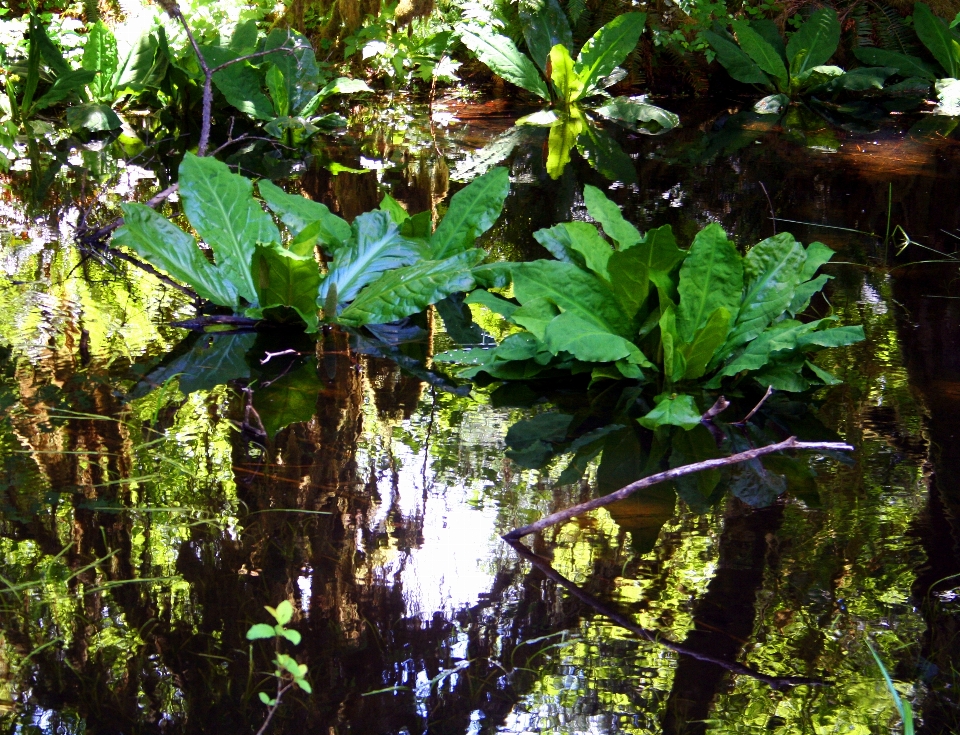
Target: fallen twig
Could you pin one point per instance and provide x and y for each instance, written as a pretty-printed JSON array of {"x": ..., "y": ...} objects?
[
  {"x": 757, "y": 407},
  {"x": 688, "y": 469},
  {"x": 775, "y": 682}
]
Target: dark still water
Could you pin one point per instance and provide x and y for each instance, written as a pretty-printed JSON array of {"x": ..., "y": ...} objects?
[{"x": 161, "y": 488}]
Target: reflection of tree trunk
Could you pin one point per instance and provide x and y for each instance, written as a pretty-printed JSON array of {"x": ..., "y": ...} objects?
[{"x": 724, "y": 616}]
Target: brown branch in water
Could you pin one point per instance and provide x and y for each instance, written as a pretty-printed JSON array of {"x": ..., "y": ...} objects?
[
  {"x": 200, "y": 323},
  {"x": 688, "y": 469},
  {"x": 773, "y": 214},
  {"x": 757, "y": 407},
  {"x": 716, "y": 409},
  {"x": 775, "y": 682}
]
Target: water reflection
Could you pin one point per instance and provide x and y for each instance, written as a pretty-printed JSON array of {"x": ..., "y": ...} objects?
[{"x": 152, "y": 504}]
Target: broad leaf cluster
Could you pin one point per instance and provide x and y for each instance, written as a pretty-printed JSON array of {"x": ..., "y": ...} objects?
[
  {"x": 384, "y": 266},
  {"x": 635, "y": 305}
]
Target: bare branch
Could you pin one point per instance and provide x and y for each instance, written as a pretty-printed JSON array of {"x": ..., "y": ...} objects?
[
  {"x": 716, "y": 409},
  {"x": 775, "y": 682},
  {"x": 688, "y": 469},
  {"x": 757, "y": 407}
]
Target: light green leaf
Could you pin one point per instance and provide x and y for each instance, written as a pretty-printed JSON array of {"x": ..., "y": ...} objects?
[
  {"x": 940, "y": 39},
  {"x": 244, "y": 38},
  {"x": 563, "y": 137},
  {"x": 814, "y": 42},
  {"x": 340, "y": 85},
  {"x": 72, "y": 83},
  {"x": 278, "y": 91},
  {"x": 836, "y": 337},
  {"x": 501, "y": 55},
  {"x": 544, "y": 26},
  {"x": 772, "y": 269},
  {"x": 221, "y": 208},
  {"x": 765, "y": 55},
  {"x": 535, "y": 315},
  {"x": 906, "y": 66},
  {"x": 142, "y": 64},
  {"x": 700, "y": 351},
  {"x": 304, "y": 684},
  {"x": 493, "y": 302},
  {"x": 472, "y": 211},
  {"x": 298, "y": 65},
  {"x": 711, "y": 277},
  {"x": 565, "y": 81},
  {"x": 161, "y": 243},
  {"x": 558, "y": 240},
  {"x": 738, "y": 65},
  {"x": 287, "y": 279},
  {"x": 406, "y": 291},
  {"x": 593, "y": 249},
  {"x": 260, "y": 630},
  {"x": 396, "y": 211},
  {"x": 608, "y": 47},
  {"x": 541, "y": 118},
  {"x": 817, "y": 254},
  {"x": 673, "y": 410},
  {"x": 282, "y": 614},
  {"x": 375, "y": 246},
  {"x": 239, "y": 83},
  {"x": 93, "y": 117},
  {"x": 266, "y": 699},
  {"x": 100, "y": 56},
  {"x": 674, "y": 363},
  {"x": 292, "y": 636},
  {"x": 610, "y": 218},
  {"x": 780, "y": 337},
  {"x": 297, "y": 212},
  {"x": 589, "y": 342},
  {"x": 572, "y": 290}
]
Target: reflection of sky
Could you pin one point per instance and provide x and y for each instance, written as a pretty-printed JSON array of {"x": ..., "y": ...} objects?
[{"x": 449, "y": 569}]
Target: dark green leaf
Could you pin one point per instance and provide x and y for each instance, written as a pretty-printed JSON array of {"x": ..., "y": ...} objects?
[
  {"x": 630, "y": 270},
  {"x": 738, "y": 65},
  {"x": 95, "y": 118},
  {"x": 605, "y": 155},
  {"x": 501, "y": 55},
  {"x": 290, "y": 399},
  {"x": 758, "y": 49},
  {"x": 239, "y": 83},
  {"x": 295, "y": 59},
  {"x": 213, "y": 360},
  {"x": 906, "y": 66},
  {"x": 221, "y": 208},
  {"x": 700, "y": 351},
  {"x": 472, "y": 211},
  {"x": 141, "y": 65},
  {"x": 544, "y": 26},
  {"x": 69, "y": 84},
  {"x": 244, "y": 38},
  {"x": 814, "y": 42},
  {"x": 608, "y": 47},
  {"x": 756, "y": 486},
  {"x": 941, "y": 40},
  {"x": 287, "y": 279},
  {"x": 161, "y": 243},
  {"x": 771, "y": 34},
  {"x": 588, "y": 341},
  {"x": 550, "y": 427},
  {"x": 632, "y": 111},
  {"x": 535, "y": 315}
]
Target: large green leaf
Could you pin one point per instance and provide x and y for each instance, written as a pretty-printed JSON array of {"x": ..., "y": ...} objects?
[
  {"x": 297, "y": 212},
  {"x": 100, "y": 56},
  {"x": 940, "y": 39},
  {"x": 594, "y": 250},
  {"x": 340, "y": 85},
  {"x": 239, "y": 83},
  {"x": 673, "y": 410},
  {"x": 161, "y": 243},
  {"x": 571, "y": 289},
  {"x": 565, "y": 81},
  {"x": 406, "y": 291},
  {"x": 772, "y": 269},
  {"x": 738, "y": 65},
  {"x": 770, "y": 33},
  {"x": 559, "y": 241},
  {"x": 780, "y": 337},
  {"x": 544, "y": 26},
  {"x": 607, "y": 48},
  {"x": 278, "y": 91},
  {"x": 501, "y": 55},
  {"x": 814, "y": 42},
  {"x": 765, "y": 55},
  {"x": 535, "y": 316},
  {"x": 221, "y": 208},
  {"x": 906, "y": 66},
  {"x": 472, "y": 211},
  {"x": 630, "y": 270},
  {"x": 610, "y": 217},
  {"x": 700, "y": 351},
  {"x": 289, "y": 399},
  {"x": 93, "y": 117},
  {"x": 72, "y": 83},
  {"x": 298, "y": 64},
  {"x": 588, "y": 341},
  {"x": 141, "y": 64},
  {"x": 711, "y": 277},
  {"x": 48, "y": 49},
  {"x": 285, "y": 278},
  {"x": 674, "y": 363},
  {"x": 375, "y": 246}
]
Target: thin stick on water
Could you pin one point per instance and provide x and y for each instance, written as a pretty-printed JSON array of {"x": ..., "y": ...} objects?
[
  {"x": 775, "y": 682},
  {"x": 773, "y": 215},
  {"x": 688, "y": 469}
]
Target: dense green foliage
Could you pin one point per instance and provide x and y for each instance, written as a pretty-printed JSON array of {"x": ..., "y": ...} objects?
[
  {"x": 384, "y": 266},
  {"x": 637, "y": 305}
]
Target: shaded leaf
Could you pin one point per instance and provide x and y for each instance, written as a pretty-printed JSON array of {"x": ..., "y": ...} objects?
[
  {"x": 738, "y": 65},
  {"x": 501, "y": 55},
  {"x": 758, "y": 49},
  {"x": 814, "y": 42},
  {"x": 290, "y": 399},
  {"x": 672, "y": 409},
  {"x": 544, "y": 26}
]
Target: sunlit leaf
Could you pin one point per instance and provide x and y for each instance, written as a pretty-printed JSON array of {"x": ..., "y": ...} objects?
[
  {"x": 260, "y": 630},
  {"x": 608, "y": 214},
  {"x": 472, "y": 211},
  {"x": 607, "y": 48},
  {"x": 297, "y": 212},
  {"x": 814, "y": 42},
  {"x": 501, "y": 55},
  {"x": 711, "y": 277}
]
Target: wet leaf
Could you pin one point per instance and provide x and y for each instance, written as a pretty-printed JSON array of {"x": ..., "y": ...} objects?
[
  {"x": 289, "y": 399},
  {"x": 631, "y": 111}
]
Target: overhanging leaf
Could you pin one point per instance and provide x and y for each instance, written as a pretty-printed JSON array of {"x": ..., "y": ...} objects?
[
  {"x": 472, "y": 211},
  {"x": 610, "y": 218},
  {"x": 501, "y": 55},
  {"x": 608, "y": 47}
]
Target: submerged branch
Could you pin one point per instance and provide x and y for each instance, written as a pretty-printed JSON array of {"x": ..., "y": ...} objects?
[
  {"x": 688, "y": 469},
  {"x": 775, "y": 682}
]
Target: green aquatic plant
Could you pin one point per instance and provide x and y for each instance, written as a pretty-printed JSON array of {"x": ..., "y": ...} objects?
[
  {"x": 903, "y": 706},
  {"x": 288, "y": 673},
  {"x": 756, "y": 53},
  {"x": 637, "y": 306},
  {"x": 384, "y": 266},
  {"x": 551, "y": 73}
]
